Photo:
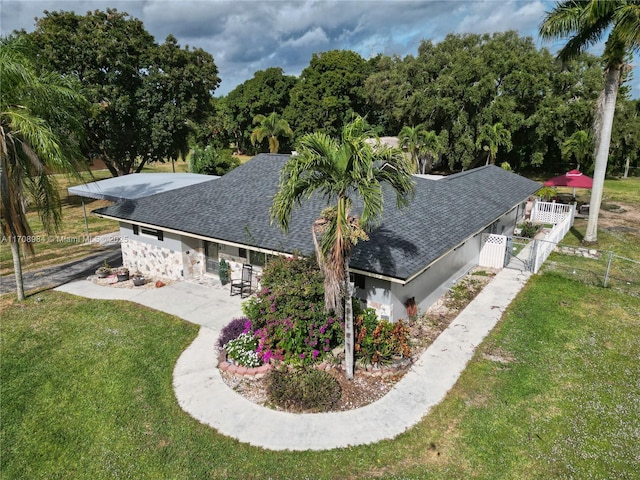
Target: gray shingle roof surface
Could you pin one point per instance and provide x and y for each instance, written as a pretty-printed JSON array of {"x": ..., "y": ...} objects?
[{"x": 235, "y": 208}]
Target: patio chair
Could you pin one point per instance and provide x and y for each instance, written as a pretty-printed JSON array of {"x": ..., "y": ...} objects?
[{"x": 242, "y": 285}]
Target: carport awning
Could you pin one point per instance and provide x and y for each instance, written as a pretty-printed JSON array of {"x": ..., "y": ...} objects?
[{"x": 137, "y": 185}]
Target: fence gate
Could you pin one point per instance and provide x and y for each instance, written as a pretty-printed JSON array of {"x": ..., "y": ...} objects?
[
  {"x": 493, "y": 250},
  {"x": 520, "y": 253}
]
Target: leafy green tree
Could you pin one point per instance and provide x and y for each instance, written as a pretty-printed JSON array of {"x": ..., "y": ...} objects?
[
  {"x": 584, "y": 23},
  {"x": 625, "y": 138},
  {"x": 268, "y": 91},
  {"x": 491, "y": 138},
  {"x": 328, "y": 93},
  {"x": 578, "y": 145},
  {"x": 467, "y": 81},
  {"x": 270, "y": 127},
  {"x": 340, "y": 169},
  {"x": 39, "y": 134},
  {"x": 212, "y": 161},
  {"x": 175, "y": 97},
  {"x": 143, "y": 96}
]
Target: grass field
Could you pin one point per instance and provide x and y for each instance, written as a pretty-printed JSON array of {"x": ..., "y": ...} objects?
[{"x": 552, "y": 392}]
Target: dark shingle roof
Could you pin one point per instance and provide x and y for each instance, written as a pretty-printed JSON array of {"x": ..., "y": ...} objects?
[{"x": 235, "y": 208}]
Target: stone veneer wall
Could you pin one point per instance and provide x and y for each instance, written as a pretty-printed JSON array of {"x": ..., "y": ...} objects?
[
  {"x": 152, "y": 260},
  {"x": 193, "y": 263}
]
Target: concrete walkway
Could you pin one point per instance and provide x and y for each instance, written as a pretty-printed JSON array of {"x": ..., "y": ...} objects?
[{"x": 202, "y": 393}]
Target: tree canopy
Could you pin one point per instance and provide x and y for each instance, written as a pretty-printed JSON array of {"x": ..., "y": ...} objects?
[{"x": 143, "y": 95}]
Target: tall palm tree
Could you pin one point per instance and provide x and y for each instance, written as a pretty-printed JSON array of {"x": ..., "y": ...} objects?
[
  {"x": 584, "y": 23},
  {"x": 339, "y": 170},
  {"x": 491, "y": 138},
  {"x": 38, "y": 133},
  {"x": 272, "y": 126},
  {"x": 578, "y": 145}
]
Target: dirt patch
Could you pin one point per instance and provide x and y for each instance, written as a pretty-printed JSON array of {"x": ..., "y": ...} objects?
[
  {"x": 625, "y": 217},
  {"x": 372, "y": 384}
]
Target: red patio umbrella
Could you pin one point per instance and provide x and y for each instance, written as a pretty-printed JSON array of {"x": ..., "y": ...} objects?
[{"x": 574, "y": 179}]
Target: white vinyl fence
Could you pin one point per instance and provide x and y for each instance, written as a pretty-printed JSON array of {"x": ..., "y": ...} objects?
[
  {"x": 492, "y": 253},
  {"x": 493, "y": 250},
  {"x": 543, "y": 248},
  {"x": 551, "y": 212}
]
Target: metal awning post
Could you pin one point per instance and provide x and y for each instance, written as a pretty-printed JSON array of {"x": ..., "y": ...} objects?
[{"x": 86, "y": 222}]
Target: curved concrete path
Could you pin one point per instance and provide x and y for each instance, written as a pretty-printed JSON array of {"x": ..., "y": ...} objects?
[{"x": 202, "y": 393}]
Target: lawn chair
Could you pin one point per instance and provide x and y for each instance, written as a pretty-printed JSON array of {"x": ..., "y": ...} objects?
[{"x": 242, "y": 285}]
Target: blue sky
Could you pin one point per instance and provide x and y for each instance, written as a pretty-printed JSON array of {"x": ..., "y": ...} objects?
[{"x": 246, "y": 36}]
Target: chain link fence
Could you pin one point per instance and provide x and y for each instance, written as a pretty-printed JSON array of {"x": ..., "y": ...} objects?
[{"x": 596, "y": 267}]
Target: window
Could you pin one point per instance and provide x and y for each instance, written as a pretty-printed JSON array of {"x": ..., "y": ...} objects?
[
  {"x": 358, "y": 280},
  {"x": 148, "y": 232},
  {"x": 257, "y": 258},
  {"x": 242, "y": 253}
]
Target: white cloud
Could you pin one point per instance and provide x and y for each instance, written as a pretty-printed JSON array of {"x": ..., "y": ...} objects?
[
  {"x": 248, "y": 35},
  {"x": 492, "y": 16}
]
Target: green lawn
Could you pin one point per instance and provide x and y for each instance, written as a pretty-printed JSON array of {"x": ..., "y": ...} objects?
[{"x": 552, "y": 393}]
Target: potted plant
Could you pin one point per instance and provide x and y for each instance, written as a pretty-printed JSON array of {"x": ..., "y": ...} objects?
[
  {"x": 104, "y": 271},
  {"x": 138, "y": 279},
  {"x": 123, "y": 274}
]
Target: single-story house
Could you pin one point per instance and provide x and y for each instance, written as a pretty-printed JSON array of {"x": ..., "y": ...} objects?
[{"x": 416, "y": 253}]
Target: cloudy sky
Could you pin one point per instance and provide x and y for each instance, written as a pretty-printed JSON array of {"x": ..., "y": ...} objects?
[{"x": 246, "y": 36}]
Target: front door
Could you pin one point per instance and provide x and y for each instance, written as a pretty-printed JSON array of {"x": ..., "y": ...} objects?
[{"x": 211, "y": 256}]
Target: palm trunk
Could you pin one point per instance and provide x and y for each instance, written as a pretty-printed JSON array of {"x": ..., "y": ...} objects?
[
  {"x": 602, "y": 152},
  {"x": 17, "y": 267},
  {"x": 348, "y": 325}
]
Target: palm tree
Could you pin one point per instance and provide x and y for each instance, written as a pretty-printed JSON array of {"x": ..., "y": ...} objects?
[
  {"x": 339, "y": 170},
  {"x": 578, "y": 145},
  {"x": 37, "y": 137},
  {"x": 584, "y": 23},
  {"x": 272, "y": 126},
  {"x": 411, "y": 138},
  {"x": 491, "y": 138},
  {"x": 432, "y": 146}
]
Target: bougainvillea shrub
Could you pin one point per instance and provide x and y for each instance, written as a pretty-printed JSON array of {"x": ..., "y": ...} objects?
[{"x": 288, "y": 314}]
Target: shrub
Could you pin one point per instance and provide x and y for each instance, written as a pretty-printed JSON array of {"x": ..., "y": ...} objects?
[
  {"x": 233, "y": 329},
  {"x": 302, "y": 389},
  {"x": 242, "y": 350},
  {"x": 298, "y": 342},
  {"x": 209, "y": 161},
  {"x": 288, "y": 313},
  {"x": 378, "y": 341},
  {"x": 528, "y": 230},
  {"x": 223, "y": 271}
]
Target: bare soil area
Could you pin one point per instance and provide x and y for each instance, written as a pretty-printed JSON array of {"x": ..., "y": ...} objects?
[
  {"x": 619, "y": 216},
  {"x": 370, "y": 384}
]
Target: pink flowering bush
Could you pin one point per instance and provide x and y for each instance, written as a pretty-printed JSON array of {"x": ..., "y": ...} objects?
[{"x": 288, "y": 313}]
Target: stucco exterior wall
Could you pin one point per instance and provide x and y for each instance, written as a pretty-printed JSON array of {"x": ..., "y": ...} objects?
[{"x": 389, "y": 298}]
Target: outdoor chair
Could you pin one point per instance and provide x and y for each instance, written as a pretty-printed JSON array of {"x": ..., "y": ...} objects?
[{"x": 242, "y": 285}]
